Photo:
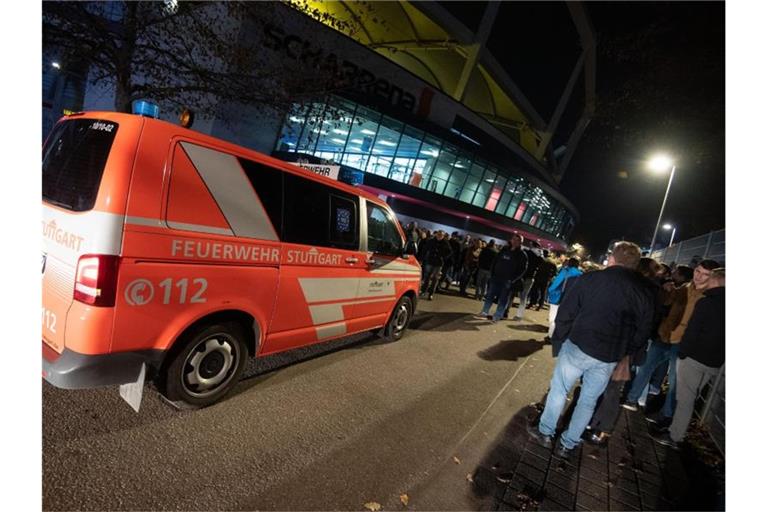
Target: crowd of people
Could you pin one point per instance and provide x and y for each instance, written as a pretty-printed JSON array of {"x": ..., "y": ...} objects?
[{"x": 622, "y": 331}]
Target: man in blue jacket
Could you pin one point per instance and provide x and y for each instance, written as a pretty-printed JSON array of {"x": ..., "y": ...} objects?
[
  {"x": 604, "y": 316},
  {"x": 508, "y": 267},
  {"x": 556, "y": 289}
]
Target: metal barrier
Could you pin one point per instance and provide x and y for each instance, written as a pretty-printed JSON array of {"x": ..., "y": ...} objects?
[
  {"x": 711, "y": 245},
  {"x": 710, "y": 409}
]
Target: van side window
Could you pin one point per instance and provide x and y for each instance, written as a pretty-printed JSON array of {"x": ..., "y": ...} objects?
[
  {"x": 383, "y": 236},
  {"x": 268, "y": 184},
  {"x": 343, "y": 225},
  {"x": 316, "y": 214}
]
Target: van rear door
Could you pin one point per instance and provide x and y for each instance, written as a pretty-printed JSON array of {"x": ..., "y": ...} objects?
[{"x": 78, "y": 217}]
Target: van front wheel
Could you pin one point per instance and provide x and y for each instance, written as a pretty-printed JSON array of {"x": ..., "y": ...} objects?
[
  {"x": 208, "y": 365},
  {"x": 399, "y": 319}
]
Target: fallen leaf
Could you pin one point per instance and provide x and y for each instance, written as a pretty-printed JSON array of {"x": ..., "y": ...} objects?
[
  {"x": 469, "y": 477},
  {"x": 404, "y": 499},
  {"x": 456, "y": 460},
  {"x": 373, "y": 506}
]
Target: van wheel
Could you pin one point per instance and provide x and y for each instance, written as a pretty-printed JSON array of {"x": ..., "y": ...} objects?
[
  {"x": 207, "y": 367},
  {"x": 398, "y": 320}
]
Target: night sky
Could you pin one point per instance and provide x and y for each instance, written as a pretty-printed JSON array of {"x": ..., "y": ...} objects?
[{"x": 660, "y": 86}]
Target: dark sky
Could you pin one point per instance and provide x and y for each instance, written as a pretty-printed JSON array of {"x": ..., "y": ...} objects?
[{"x": 660, "y": 86}]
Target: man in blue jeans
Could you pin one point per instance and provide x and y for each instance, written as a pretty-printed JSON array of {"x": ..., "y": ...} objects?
[
  {"x": 604, "y": 316},
  {"x": 671, "y": 331},
  {"x": 508, "y": 267}
]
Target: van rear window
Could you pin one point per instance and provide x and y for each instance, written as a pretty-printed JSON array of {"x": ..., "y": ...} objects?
[{"x": 73, "y": 162}]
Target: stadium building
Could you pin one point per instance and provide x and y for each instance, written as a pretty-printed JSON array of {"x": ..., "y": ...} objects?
[{"x": 425, "y": 116}]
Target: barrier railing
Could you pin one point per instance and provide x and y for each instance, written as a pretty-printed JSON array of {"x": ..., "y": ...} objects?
[
  {"x": 710, "y": 409},
  {"x": 711, "y": 245}
]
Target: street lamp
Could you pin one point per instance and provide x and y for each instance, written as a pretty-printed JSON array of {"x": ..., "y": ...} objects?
[
  {"x": 661, "y": 163},
  {"x": 674, "y": 229}
]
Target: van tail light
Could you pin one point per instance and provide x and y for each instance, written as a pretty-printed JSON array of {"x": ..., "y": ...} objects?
[{"x": 96, "y": 280}]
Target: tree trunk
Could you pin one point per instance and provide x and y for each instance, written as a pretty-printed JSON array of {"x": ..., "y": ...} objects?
[{"x": 124, "y": 68}]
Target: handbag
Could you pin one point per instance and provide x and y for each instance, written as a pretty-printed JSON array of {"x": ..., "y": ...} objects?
[{"x": 621, "y": 371}]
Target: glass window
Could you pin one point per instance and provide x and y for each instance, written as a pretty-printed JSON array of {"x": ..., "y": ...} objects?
[
  {"x": 442, "y": 169},
  {"x": 73, "y": 162},
  {"x": 268, "y": 184},
  {"x": 484, "y": 188},
  {"x": 428, "y": 155},
  {"x": 312, "y": 218},
  {"x": 292, "y": 127},
  {"x": 458, "y": 176},
  {"x": 473, "y": 181},
  {"x": 383, "y": 236},
  {"x": 334, "y": 131},
  {"x": 384, "y": 147},
  {"x": 343, "y": 225},
  {"x": 407, "y": 155},
  {"x": 497, "y": 188},
  {"x": 313, "y": 128}
]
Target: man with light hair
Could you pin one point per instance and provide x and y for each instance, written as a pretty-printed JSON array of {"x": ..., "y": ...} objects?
[
  {"x": 604, "y": 316},
  {"x": 700, "y": 356}
]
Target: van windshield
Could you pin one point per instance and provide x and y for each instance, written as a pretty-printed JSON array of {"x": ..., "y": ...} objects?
[{"x": 73, "y": 162}]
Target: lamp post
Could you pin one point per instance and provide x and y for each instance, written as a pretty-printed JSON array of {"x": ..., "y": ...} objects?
[
  {"x": 674, "y": 229},
  {"x": 660, "y": 164}
]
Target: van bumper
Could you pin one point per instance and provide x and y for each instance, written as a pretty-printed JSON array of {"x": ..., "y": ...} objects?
[{"x": 72, "y": 370}]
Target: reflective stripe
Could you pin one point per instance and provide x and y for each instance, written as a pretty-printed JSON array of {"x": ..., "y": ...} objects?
[
  {"x": 231, "y": 189},
  {"x": 321, "y": 289},
  {"x": 328, "y": 331},
  {"x": 68, "y": 235},
  {"x": 200, "y": 229},
  {"x": 325, "y": 313}
]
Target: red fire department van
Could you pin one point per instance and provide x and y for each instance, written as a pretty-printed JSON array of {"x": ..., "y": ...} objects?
[{"x": 177, "y": 254}]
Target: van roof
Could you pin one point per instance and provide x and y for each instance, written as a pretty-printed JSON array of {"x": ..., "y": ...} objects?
[{"x": 229, "y": 146}]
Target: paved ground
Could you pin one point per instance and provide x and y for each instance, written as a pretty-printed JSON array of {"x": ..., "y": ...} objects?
[{"x": 433, "y": 420}]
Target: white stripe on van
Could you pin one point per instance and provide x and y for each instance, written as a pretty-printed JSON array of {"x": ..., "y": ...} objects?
[
  {"x": 200, "y": 228},
  {"x": 67, "y": 235},
  {"x": 328, "y": 331},
  {"x": 232, "y": 191}
]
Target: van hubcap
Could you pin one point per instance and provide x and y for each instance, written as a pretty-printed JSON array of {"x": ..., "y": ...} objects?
[
  {"x": 401, "y": 317},
  {"x": 210, "y": 365}
]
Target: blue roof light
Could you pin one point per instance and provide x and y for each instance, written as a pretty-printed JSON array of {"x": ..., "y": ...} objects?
[{"x": 145, "y": 108}]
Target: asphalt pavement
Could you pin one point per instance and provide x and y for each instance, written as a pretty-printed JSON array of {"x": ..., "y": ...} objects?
[{"x": 426, "y": 423}]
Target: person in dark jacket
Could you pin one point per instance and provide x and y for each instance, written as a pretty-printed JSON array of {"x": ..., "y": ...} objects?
[
  {"x": 700, "y": 355},
  {"x": 607, "y": 411},
  {"x": 544, "y": 275},
  {"x": 508, "y": 267},
  {"x": 484, "y": 264},
  {"x": 604, "y": 316},
  {"x": 534, "y": 260},
  {"x": 436, "y": 252}
]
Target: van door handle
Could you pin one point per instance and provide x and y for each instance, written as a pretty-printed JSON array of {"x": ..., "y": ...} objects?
[{"x": 351, "y": 260}]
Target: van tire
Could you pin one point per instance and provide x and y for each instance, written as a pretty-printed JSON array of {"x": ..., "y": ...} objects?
[
  {"x": 208, "y": 364},
  {"x": 399, "y": 319}
]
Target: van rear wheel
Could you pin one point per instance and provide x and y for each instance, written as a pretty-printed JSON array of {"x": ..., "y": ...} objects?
[
  {"x": 399, "y": 319},
  {"x": 208, "y": 365}
]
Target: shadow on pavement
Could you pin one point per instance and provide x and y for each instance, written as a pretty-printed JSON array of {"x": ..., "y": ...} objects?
[
  {"x": 439, "y": 321},
  {"x": 510, "y": 350},
  {"x": 530, "y": 327}
]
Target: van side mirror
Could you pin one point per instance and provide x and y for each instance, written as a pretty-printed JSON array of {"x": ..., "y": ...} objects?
[{"x": 410, "y": 248}]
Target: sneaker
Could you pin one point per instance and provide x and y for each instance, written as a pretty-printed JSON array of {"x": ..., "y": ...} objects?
[
  {"x": 597, "y": 438},
  {"x": 541, "y": 439},
  {"x": 563, "y": 452},
  {"x": 653, "y": 390},
  {"x": 630, "y": 406},
  {"x": 517, "y": 318},
  {"x": 480, "y": 316},
  {"x": 431, "y": 297},
  {"x": 659, "y": 420},
  {"x": 664, "y": 439}
]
